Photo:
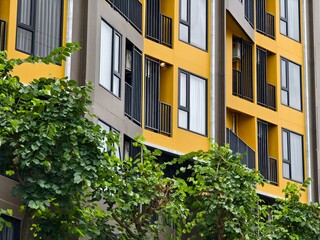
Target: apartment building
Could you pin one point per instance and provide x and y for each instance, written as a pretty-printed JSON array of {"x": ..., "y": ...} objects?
[{"x": 180, "y": 72}]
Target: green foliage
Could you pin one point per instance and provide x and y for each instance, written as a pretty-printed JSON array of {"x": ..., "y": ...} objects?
[
  {"x": 222, "y": 195},
  {"x": 292, "y": 219},
  {"x": 4, "y": 223}
]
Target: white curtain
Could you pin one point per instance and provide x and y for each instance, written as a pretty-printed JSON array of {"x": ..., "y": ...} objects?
[
  {"x": 47, "y": 26},
  {"x": 296, "y": 155},
  {"x": 105, "y": 55},
  {"x": 294, "y": 86},
  {"x": 183, "y": 90},
  {"x": 198, "y": 23},
  {"x": 293, "y": 19},
  {"x": 107, "y": 128},
  {"x": 183, "y": 119},
  {"x": 197, "y": 111}
]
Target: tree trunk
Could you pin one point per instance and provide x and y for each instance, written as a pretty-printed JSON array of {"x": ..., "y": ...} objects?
[{"x": 26, "y": 224}]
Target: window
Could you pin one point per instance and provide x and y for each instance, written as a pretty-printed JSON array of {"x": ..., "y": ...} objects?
[
  {"x": 290, "y": 84},
  {"x": 292, "y": 153},
  {"x": 110, "y": 59},
  {"x": 39, "y": 26},
  {"x": 290, "y": 18},
  {"x": 133, "y": 82},
  {"x": 13, "y": 232},
  {"x": 107, "y": 128},
  {"x": 192, "y": 103},
  {"x": 193, "y": 22},
  {"x": 129, "y": 150}
]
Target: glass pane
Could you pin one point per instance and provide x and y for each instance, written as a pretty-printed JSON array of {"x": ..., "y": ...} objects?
[
  {"x": 183, "y": 90},
  {"x": 47, "y": 26},
  {"x": 107, "y": 129},
  {"x": 184, "y": 33},
  {"x": 286, "y": 170},
  {"x": 184, "y": 10},
  {"x": 116, "y": 49},
  {"x": 283, "y": 74},
  {"x": 293, "y": 20},
  {"x": 24, "y": 40},
  {"x": 197, "y": 113},
  {"x": 183, "y": 119},
  {"x": 282, "y": 8},
  {"x": 105, "y": 55},
  {"x": 294, "y": 86},
  {"x": 285, "y": 145},
  {"x": 284, "y": 97},
  {"x": 296, "y": 154},
  {"x": 198, "y": 23},
  {"x": 116, "y": 86},
  {"x": 25, "y": 11},
  {"x": 283, "y": 27}
]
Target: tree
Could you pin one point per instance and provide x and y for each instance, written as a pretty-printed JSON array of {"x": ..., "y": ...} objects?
[
  {"x": 57, "y": 156},
  {"x": 291, "y": 219},
  {"x": 222, "y": 195}
]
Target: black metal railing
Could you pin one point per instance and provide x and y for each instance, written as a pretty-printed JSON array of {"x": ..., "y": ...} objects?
[
  {"x": 272, "y": 171},
  {"x": 3, "y": 34},
  {"x": 131, "y": 11},
  {"x": 237, "y": 145},
  {"x": 270, "y": 25},
  {"x": 236, "y": 83},
  {"x": 271, "y": 96},
  {"x": 128, "y": 100},
  {"x": 239, "y": 87},
  {"x": 165, "y": 118},
  {"x": 166, "y": 30}
]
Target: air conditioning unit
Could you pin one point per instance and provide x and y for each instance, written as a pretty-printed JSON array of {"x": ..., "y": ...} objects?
[
  {"x": 128, "y": 59},
  {"x": 236, "y": 50}
]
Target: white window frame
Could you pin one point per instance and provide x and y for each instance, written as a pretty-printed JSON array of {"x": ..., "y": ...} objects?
[
  {"x": 192, "y": 115},
  {"x": 291, "y": 94},
  {"x": 292, "y": 156},
  {"x": 110, "y": 59}
]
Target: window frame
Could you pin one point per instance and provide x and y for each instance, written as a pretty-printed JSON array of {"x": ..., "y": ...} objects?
[
  {"x": 102, "y": 123},
  {"x": 188, "y": 25},
  {"x": 287, "y": 80},
  {"x": 286, "y": 20},
  {"x": 113, "y": 72},
  {"x": 187, "y": 107},
  {"x": 289, "y": 161},
  {"x": 31, "y": 27}
]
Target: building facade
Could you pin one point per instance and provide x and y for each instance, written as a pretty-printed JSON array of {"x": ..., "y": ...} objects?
[{"x": 180, "y": 72}]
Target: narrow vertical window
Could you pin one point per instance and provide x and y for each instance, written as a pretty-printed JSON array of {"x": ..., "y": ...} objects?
[
  {"x": 39, "y": 26},
  {"x": 110, "y": 59},
  {"x": 193, "y": 22},
  {"x": 290, "y": 18},
  {"x": 292, "y": 155},
  {"x": 192, "y": 103},
  {"x": 290, "y": 84}
]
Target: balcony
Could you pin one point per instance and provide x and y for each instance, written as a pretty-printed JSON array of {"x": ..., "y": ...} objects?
[
  {"x": 158, "y": 26},
  {"x": 3, "y": 34},
  {"x": 165, "y": 118},
  {"x": 131, "y": 10},
  {"x": 272, "y": 171},
  {"x": 271, "y": 96},
  {"x": 239, "y": 88},
  {"x": 264, "y": 20},
  {"x": 237, "y": 145}
]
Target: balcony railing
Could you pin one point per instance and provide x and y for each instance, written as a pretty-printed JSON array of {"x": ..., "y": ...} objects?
[
  {"x": 272, "y": 171},
  {"x": 270, "y": 25},
  {"x": 271, "y": 96},
  {"x": 166, "y": 30},
  {"x": 239, "y": 88},
  {"x": 237, "y": 145},
  {"x": 165, "y": 118},
  {"x": 131, "y": 11},
  {"x": 3, "y": 34},
  {"x": 128, "y": 100}
]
